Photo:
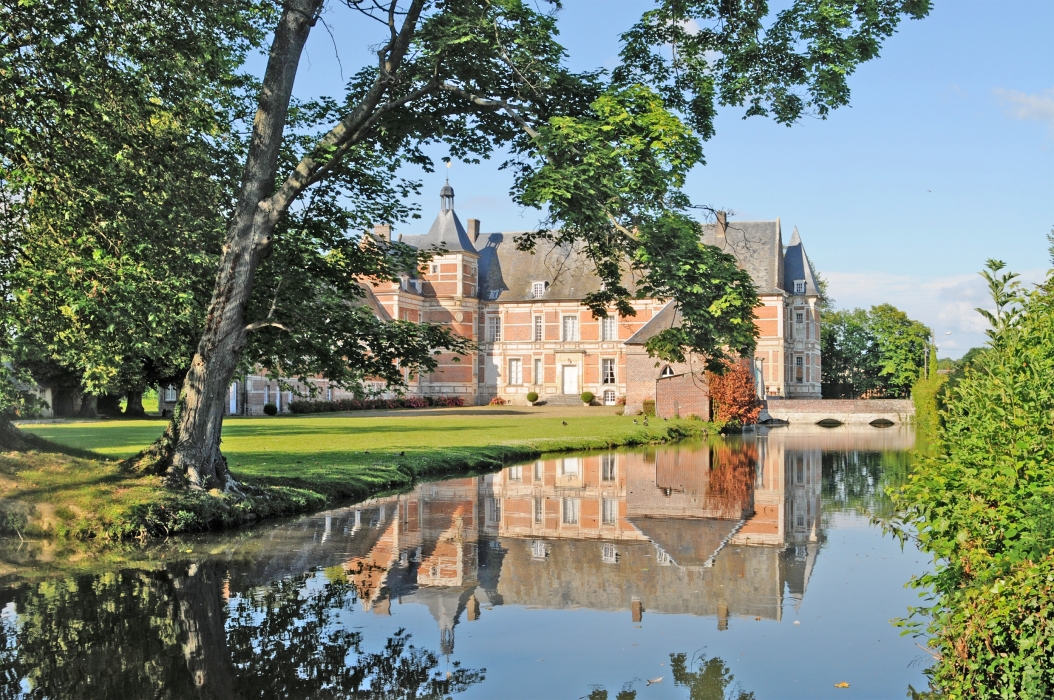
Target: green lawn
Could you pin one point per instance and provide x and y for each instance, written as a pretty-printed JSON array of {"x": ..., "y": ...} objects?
[{"x": 321, "y": 458}]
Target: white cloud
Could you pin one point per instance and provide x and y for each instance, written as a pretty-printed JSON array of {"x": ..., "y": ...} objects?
[
  {"x": 1022, "y": 105},
  {"x": 945, "y": 304}
]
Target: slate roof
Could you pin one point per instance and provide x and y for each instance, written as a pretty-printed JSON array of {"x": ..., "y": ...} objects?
[
  {"x": 446, "y": 232},
  {"x": 796, "y": 266},
  {"x": 668, "y": 317},
  {"x": 757, "y": 245}
]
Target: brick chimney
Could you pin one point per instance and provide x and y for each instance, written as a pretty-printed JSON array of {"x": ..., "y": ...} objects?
[
  {"x": 383, "y": 232},
  {"x": 722, "y": 224},
  {"x": 473, "y": 229}
]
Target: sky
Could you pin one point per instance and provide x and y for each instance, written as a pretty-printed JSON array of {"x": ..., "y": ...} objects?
[{"x": 944, "y": 159}]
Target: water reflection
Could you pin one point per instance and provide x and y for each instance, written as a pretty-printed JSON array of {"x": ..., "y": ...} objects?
[{"x": 722, "y": 530}]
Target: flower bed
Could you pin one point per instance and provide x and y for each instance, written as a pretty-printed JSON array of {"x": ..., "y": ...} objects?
[{"x": 374, "y": 404}]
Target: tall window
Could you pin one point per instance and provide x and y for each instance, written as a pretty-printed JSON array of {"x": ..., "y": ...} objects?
[
  {"x": 538, "y": 289},
  {"x": 515, "y": 371},
  {"x": 538, "y": 470},
  {"x": 538, "y": 329},
  {"x": 537, "y": 376},
  {"x": 799, "y": 369},
  {"x": 607, "y": 371},
  {"x": 515, "y": 473},
  {"x": 570, "y": 327},
  {"x": 570, "y": 511},
  {"x": 494, "y": 328},
  {"x": 493, "y": 510},
  {"x": 608, "y": 328},
  {"x": 609, "y": 511},
  {"x": 539, "y": 509},
  {"x": 170, "y": 393},
  {"x": 607, "y": 467}
]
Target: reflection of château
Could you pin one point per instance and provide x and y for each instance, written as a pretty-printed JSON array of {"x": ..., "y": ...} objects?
[{"x": 729, "y": 529}]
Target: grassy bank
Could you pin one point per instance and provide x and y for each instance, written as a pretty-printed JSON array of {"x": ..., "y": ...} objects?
[{"x": 289, "y": 464}]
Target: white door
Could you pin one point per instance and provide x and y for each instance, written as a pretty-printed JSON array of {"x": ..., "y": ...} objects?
[
  {"x": 570, "y": 379},
  {"x": 234, "y": 398}
]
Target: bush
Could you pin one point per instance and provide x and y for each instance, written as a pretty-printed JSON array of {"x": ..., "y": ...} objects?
[
  {"x": 620, "y": 401},
  {"x": 587, "y": 397},
  {"x": 983, "y": 504},
  {"x": 303, "y": 406},
  {"x": 532, "y": 396},
  {"x": 498, "y": 401},
  {"x": 648, "y": 408},
  {"x": 735, "y": 395},
  {"x": 270, "y": 409}
]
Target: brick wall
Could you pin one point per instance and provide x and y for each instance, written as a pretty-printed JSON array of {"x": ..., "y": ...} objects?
[{"x": 682, "y": 395}]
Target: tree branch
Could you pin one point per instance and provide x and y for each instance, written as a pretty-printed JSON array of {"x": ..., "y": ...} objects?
[
  {"x": 257, "y": 325},
  {"x": 492, "y": 103}
]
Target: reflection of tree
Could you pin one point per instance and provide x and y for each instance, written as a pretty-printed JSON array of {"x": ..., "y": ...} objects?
[
  {"x": 706, "y": 679},
  {"x": 731, "y": 483},
  {"x": 169, "y": 634},
  {"x": 858, "y": 480}
]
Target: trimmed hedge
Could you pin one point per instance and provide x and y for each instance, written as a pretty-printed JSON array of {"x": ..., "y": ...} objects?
[{"x": 373, "y": 404}]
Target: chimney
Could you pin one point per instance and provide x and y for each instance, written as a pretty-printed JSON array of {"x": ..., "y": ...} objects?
[
  {"x": 722, "y": 224},
  {"x": 473, "y": 229},
  {"x": 383, "y": 232}
]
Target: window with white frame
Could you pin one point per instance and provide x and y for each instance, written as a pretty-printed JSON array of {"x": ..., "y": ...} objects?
[
  {"x": 539, "y": 329},
  {"x": 607, "y": 467},
  {"x": 608, "y": 553},
  {"x": 609, "y": 397},
  {"x": 538, "y": 467},
  {"x": 607, "y": 371},
  {"x": 539, "y": 509},
  {"x": 799, "y": 286},
  {"x": 799, "y": 317},
  {"x": 493, "y": 510},
  {"x": 329, "y": 393},
  {"x": 170, "y": 393},
  {"x": 537, "y": 376},
  {"x": 435, "y": 269},
  {"x": 570, "y": 328},
  {"x": 494, "y": 328},
  {"x": 515, "y": 473},
  {"x": 570, "y": 511},
  {"x": 493, "y": 294},
  {"x": 662, "y": 558},
  {"x": 515, "y": 371},
  {"x": 609, "y": 328},
  {"x": 799, "y": 369},
  {"x": 538, "y": 549},
  {"x": 537, "y": 289},
  {"x": 609, "y": 511},
  {"x": 569, "y": 466},
  {"x": 667, "y": 371}
]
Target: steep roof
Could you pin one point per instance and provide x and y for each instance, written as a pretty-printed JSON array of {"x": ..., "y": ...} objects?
[
  {"x": 796, "y": 266},
  {"x": 668, "y": 317},
  {"x": 446, "y": 232},
  {"x": 757, "y": 246}
]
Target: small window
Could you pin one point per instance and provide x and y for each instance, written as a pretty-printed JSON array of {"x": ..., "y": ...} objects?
[
  {"x": 608, "y": 554},
  {"x": 435, "y": 269},
  {"x": 493, "y": 294},
  {"x": 538, "y": 550},
  {"x": 607, "y": 371},
  {"x": 494, "y": 328},
  {"x": 537, "y": 376},
  {"x": 570, "y": 511},
  {"x": 515, "y": 473},
  {"x": 538, "y": 329},
  {"x": 799, "y": 286},
  {"x": 609, "y": 511},
  {"x": 607, "y": 467},
  {"x": 667, "y": 371},
  {"x": 515, "y": 371},
  {"x": 570, "y": 328},
  {"x": 537, "y": 289},
  {"x": 609, "y": 397},
  {"x": 662, "y": 558},
  {"x": 799, "y": 317},
  {"x": 609, "y": 328},
  {"x": 170, "y": 393},
  {"x": 569, "y": 466},
  {"x": 329, "y": 393}
]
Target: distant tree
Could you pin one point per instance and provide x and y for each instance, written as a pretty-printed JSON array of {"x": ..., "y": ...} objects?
[
  {"x": 902, "y": 345},
  {"x": 706, "y": 678},
  {"x": 850, "y": 366}
]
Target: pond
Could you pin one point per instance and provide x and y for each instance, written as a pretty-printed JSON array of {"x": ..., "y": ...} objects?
[{"x": 735, "y": 568}]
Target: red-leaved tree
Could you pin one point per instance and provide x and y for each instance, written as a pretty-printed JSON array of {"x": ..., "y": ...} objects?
[{"x": 734, "y": 394}]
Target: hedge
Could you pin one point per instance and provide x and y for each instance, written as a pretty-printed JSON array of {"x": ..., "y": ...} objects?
[{"x": 373, "y": 404}]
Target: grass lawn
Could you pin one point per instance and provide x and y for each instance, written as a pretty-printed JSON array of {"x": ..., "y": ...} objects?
[{"x": 302, "y": 461}]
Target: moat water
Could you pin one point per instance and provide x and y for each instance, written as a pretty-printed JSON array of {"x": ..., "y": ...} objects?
[{"x": 737, "y": 568}]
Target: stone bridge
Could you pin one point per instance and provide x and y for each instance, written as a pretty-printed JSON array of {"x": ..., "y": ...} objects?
[{"x": 845, "y": 411}]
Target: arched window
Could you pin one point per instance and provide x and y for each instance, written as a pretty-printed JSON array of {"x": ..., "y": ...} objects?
[{"x": 667, "y": 371}]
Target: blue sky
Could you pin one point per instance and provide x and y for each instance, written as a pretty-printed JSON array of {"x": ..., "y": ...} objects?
[{"x": 944, "y": 159}]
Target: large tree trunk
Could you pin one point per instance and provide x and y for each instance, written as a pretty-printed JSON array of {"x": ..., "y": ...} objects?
[
  {"x": 89, "y": 402},
  {"x": 134, "y": 407},
  {"x": 199, "y": 413}
]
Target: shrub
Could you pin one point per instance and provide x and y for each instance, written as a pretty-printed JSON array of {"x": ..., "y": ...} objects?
[
  {"x": 982, "y": 504},
  {"x": 620, "y": 401},
  {"x": 498, "y": 401},
  {"x": 587, "y": 397},
  {"x": 270, "y": 409},
  {"x": 648, "y": 408},
  {"x": 532, "y": 396},
  {"x": 734, "y": 395}
]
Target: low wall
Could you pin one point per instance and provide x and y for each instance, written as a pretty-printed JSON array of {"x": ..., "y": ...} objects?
[{"x": 848, "y": 411}]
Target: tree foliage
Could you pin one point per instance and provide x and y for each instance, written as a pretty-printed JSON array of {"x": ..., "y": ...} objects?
[
  {"x": 983, "y": 506},
  {"x": 735, "y": 395},
  {"x": 879, "y": 353}
]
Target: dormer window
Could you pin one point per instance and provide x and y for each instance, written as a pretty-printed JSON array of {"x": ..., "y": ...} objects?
[
  {"x": 538, "y": 289},
  {"x": 493, "y": 294},
  {"x": 799, "y": 286}
]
